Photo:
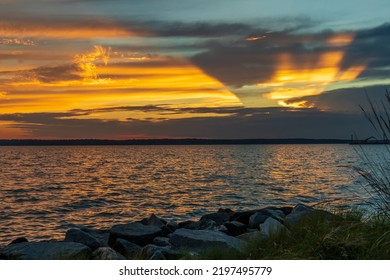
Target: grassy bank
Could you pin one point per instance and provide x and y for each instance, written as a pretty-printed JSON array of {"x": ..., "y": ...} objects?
[{"x": 344, "y": 237}]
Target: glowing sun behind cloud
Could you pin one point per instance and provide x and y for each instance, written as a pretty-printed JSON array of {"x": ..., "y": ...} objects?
[{"x": 310, "y": 76}]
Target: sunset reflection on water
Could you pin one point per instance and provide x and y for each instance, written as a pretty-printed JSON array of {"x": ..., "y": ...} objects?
[{"x": 46, "y": 190}]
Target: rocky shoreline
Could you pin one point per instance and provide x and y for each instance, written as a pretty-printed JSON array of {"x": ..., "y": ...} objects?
[{"x": 158, "y": 239}]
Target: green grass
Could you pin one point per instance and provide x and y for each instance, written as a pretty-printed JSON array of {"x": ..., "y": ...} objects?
[{"x": 347, "y": 238}]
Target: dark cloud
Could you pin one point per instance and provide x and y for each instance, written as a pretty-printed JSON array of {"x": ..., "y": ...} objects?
[
  {"x": 346, "y": 100},
  {"x": 242, "y": 123}
]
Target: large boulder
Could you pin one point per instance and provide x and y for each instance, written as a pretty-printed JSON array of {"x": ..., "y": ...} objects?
[
  {"x": 47, "y": 251},
  {"x": 203, "y": 239},
  {"x": 106, "y": 253},
  {"x": 134, "y": 232},
  {"x": 272, "y": 226},
  {"x": 299, "y": 211},
  {"x": 204, "y": 224},
  {"x": 218, "y": 218},
  {"x": 79, "y": 236},
  {"x": 126, "y": 248},
  {"x": 235, "y": 228},
  {"x": 101, "y": 235},
  {"x": 257, "y": 218}
]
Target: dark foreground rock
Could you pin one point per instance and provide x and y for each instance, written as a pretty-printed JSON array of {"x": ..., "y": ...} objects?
[
  {"x": 137, "y": 233},
  {"x": 80, "y": 236},
  {"x": 47, "y": 251},
  {"x": 159, "y": 239},
  {"x": 204, "y": 239}
]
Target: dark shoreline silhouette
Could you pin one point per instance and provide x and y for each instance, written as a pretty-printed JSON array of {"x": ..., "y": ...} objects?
[{"x": 187, "y": 141}]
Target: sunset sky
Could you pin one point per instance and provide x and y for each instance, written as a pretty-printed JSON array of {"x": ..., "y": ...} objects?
[{"x": 120, "y": 69}]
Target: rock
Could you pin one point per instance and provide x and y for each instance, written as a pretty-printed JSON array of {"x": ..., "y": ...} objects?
[
  {"x": 297, "y": 214},
  {"x": 276, "y": 214},
  {"x": 203, "y": 239},
  {"x": 19, "y": 240},
  {"x": 153, "y": 220},
  {"x": 100, "y": 235},
  {"x": 161, "y": 241},
  {"x": 79, "y": 236},
  {"x": 149, "y": 250},
  {"x": 165, "y": 230},
  {"x": 250, "y": 236},
  {"x": 47, "y": 251},
  {"x": 218, "y": 218},
  {"x": 126, "y": 248},
  {"x": 286, "y": 210},
  {"x": 172, "y": 226},
  {"x": 106, "y": 253},
  {"x": 226, "y": 210},
  {"x": 235, "y": 228},
  {"x": 272, "y": 226},
  {"x": 242, "y": 217},
  {"x": 158, "y": 256},
  {"x": 134, "y": 232},
  {"x": 204, "y": 224},
  {"x": 256, "y": 219}
]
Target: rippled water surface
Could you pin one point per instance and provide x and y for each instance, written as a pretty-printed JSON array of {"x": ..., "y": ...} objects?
[{"x": 46, "y": 190}]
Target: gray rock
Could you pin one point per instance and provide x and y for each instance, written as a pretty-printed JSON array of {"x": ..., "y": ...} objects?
[
  {"x": 149, "y": 250},
  {"x": 235, "y": 228},
  {"x": 161, "y": 241},
  {"x": 298, "y": 212},
  {"x": 272, "y": 226},
  {"x": 47, "y": 251},
  {"x": 276, "y": 214},
  {"x": 158, "y": 256},
  {"x": 100, "y": 235},
  {"x": 218, "y": 218},
  {"x": 201, "y": 239},
  {"x": 106, "y": 253},
  {"x": 250, "y": 236},
  {"x": 134, "y": 232},
  {"x": 153, "y": 220},
  {"x": 172, "y": 226},
  {"x": 256, "y": 219},
  {"x": 126, "y": 248},
  {"x": 79, "y": 236},
  {"x": 204, "y": 224}
]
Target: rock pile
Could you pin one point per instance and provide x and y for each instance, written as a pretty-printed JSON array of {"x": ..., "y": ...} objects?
[{"x": 156, "y": 238}]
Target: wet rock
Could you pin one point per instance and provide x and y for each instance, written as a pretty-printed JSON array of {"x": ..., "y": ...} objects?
[
  {"x": 19, "y": 240},
  {"x": 106, "y": 253},
  {"x": 47, "y": 251},
  {"x": 201, "y": 239},
  {"x": 165, "y": 230},
  {"x": 161, "y": 241},
  {"x": 218, "y": 218},
  {"x": 272, "y": 226},
  {"x": 79, "y": 236},
  {"x": 235, "y": 228},
  {"x": 126, "y": 248},
  {"x": 257, "y": 218},
  {"x": 134, "y": 232}
]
